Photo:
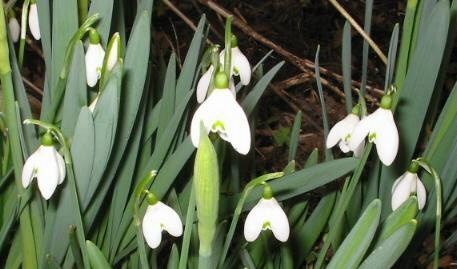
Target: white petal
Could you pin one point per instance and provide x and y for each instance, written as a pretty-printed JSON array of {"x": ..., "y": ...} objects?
[
  {"x": 61, "y": 165},
  {"x": 343, "y": 146},
  {"x": 402, "y": 191},
  {"x": 421, "y": 194},
  {"x": 169, "y": 220},
  {"x": 386, "y": 137},
  {"x": 29, "y": 167},
  {"x": 47, "y": 172},
  {"x": 232, "y": 87},
  {"x": 15, "y": 29},
  {"x": 359, "y": 149},
  {"x": 236, "y": 125},
  {"x": 203, "y": 84},
  {"x": 151, "y": 227},
  {"x": 94, "y": 61},
  {"x": 341, "y": 129},
  {"x": 398, "y": 180},
  {"x": 201, "y": 115},
  {"x": 33, "y": 22},
  {"x": 241, "y": 64},
  {"x": 279, "y": 222},
  {"x": 255, "y": 220},
  {"x": 361, "y": 130}
]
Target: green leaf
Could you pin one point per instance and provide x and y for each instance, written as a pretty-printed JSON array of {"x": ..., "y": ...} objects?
[
  {"x": 405, "y": 213},
  {"x": 391, "y": 249},
  {"x": 294, "y": 136},
  {"x": 105, "y": 116},
  {"x": 168, "y": 98},
  {"x": 306, "y": 236},
  {"x": 307, "y": 179},
  {"x": 76, "y": 91},
  {"x": 96, "y": 258},
  {"x": 253, "y": 97},
  {"x": 346, "y": 57},
  {"x": 356, "y": 243},
  {"x": 173, "y": 260}
]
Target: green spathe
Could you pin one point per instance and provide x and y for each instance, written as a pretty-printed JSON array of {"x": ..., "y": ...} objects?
[{"x": 206, "y": 186}]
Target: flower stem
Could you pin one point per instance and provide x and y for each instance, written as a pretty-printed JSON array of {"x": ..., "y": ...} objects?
[
  {"x": 25, "y": 12},
  {"x": 228, "y": 46}
]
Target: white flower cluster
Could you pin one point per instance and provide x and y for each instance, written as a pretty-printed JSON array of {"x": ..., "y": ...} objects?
[{"x": 220, "y": 112}]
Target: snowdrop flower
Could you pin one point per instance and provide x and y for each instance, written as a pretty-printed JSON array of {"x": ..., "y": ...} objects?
[
  {"x": 34, "y": 25},
  {"x": 15, "y": 29},
  {"x": 46, "y": 165},
  {"x": 239, "y": 63},
  {"x": 341, "y": 133},
  {"x": 94, "y": 58},
  {"x": 408, "y": 184},
  {"x": 222, "y": 114},
  {"x": 203, "y": 84},
  {"x": 267, "y": 214},
  {"x": 381, "y": 129},
  {"x": 159, "y": 217}
]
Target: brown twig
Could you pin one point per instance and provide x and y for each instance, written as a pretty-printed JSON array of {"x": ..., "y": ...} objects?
[{"x": 304, "y": 65}]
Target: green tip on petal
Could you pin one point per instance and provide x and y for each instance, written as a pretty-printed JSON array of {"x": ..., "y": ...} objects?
[
  {"x": 356, "y": 110},
  {"x": 413, "y": 167},
  {"x": 94, "y": 37},
  {"x": 32, "y": 1},
  {"x": 151, "y": 198},
  {"x": 234, "y": 41},
  {"x": 47, "y": 140},
  {"x": 221, "y": 81},
  {"x": 386, "y": 101},
  {"x": 267, "y": 192}
]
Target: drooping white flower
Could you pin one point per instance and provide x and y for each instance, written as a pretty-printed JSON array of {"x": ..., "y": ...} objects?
[
  {"x": 381, "y": 129},
  {"x": 267, "y": 214},
  {"x": 159, "y": 217},
  {"x": 47, "y": 166},
  {"x": 341, "y": 134},
  {"x": 15, "y": 29},
  {"x": 94, "y": 58},
  {"x": 408, "y": 184},
  {"x": 222, "y": 114},
  {"x": 203, "y": 84},
  {"x": 34, "y": 24},
  {"x": 239, "y": 63}
]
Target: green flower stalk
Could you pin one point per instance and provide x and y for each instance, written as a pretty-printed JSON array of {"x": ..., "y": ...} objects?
[{"x": 206, "y": 186}]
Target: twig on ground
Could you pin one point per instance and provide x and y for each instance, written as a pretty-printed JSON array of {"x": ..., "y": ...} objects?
[
  {"x": 359, "y": 29},
  {"x": 304, "y": 65}
]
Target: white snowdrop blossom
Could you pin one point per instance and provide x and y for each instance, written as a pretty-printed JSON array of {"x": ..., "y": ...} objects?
[
  {"x": 381, "y": 129},
  {"x": 94, "y": 58},
  {"x": 34, "y": 24},
  {"x": 203, "y": 84},
  {"x": 15, "y": 29},
  {"x": 220, "y": 113},
  {"x": 47, "y": 166},
  {"x": 408, "y": 184},
  {"x": 159, "y": 217},
  {"x": 341, "y": 134},
  {"x": 239, "y": 63},
  {"x": 267, "y": 214}
]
